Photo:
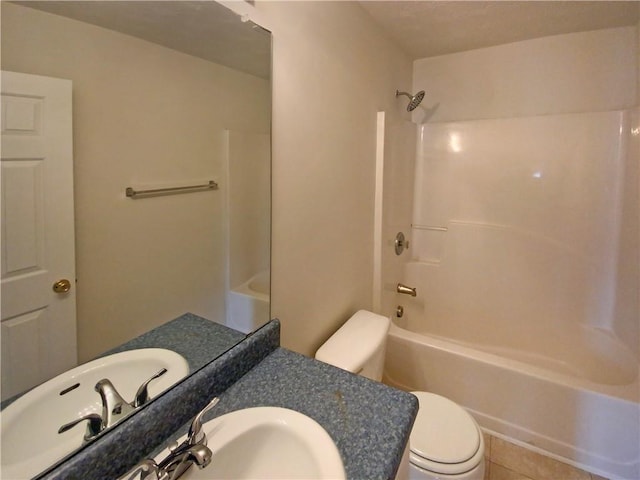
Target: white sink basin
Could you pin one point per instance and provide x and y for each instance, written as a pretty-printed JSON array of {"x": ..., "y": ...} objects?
[
  {"x": 268, "y": 443},
  {"x": 29, "y": 426}
]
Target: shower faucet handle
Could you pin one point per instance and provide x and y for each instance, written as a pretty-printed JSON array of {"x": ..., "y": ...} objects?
[
  {"x": 400, "y": 243},
  {"x": 406, "y": 290}
]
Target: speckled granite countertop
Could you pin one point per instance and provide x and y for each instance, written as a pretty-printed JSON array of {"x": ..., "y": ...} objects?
[
  {"x": 197, "y": 339},
  {"x": 369, "y": 422},
  {"x": 127, "y": 443}
]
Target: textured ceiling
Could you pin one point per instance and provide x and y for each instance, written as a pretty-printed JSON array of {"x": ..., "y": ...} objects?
[
  {"x": 203, "y": 29},
  {"x": 429, "y": 28},
  {"x": 423, "y": 28}
]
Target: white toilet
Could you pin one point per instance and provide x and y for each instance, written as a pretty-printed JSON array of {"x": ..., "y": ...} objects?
[{"x": 446, "y": 442}]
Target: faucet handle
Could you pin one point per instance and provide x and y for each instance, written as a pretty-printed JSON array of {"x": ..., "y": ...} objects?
[
  {"x": 146, "y": 469},
  {"x": 94, "y": 426},
  {"x": 195, "y": 430},
  {"x": 191, "y": 451},
  {"x": 142, "y": 395}
]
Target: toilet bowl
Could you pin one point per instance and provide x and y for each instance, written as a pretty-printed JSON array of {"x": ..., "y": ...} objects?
[{"x": 445, "y": 443}]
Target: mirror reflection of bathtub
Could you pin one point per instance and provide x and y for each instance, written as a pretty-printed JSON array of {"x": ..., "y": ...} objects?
[{"x": 248, "y": 303}]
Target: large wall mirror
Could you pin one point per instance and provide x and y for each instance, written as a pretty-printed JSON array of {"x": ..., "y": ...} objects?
[{"x": 165, "y": 94}]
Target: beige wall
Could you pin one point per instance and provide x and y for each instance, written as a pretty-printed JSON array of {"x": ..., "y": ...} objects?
[
  {"x": 332, "y": 71},
  {"x": 143, "y": 115}
]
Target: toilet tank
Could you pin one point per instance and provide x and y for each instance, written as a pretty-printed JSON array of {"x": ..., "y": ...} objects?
[{"x": 359, "y": 345}]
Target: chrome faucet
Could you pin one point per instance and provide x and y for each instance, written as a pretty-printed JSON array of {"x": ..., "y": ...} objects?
[
  {"x": 182, "y": 458},
  {"x": 406, "y": 290},
  {"x": 114, "y": 407},
  {"x": 148, "y": 469},
  {"x": 193, "y": 451}
]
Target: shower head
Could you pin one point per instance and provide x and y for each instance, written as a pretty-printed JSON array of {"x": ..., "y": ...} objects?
[{"x": 414, "y": 100}]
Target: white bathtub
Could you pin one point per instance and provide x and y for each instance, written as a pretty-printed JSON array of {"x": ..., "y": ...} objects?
[
  {"x": 248, "y": 303},
  {"x": 571, "y": 412}
]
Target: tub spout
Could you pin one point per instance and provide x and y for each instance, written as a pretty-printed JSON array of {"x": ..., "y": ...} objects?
[{"x": 406, "y": 290}]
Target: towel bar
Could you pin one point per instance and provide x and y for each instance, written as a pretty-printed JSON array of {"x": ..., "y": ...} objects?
[{"x": 133, "y": 194}]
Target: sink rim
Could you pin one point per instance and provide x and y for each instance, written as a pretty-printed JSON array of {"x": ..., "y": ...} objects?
[
  {"x": 71, "y": 441},
  {"x": 223, "y": 430}
]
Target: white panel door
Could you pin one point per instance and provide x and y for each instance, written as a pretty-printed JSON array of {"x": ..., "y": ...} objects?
[{"x": 38, "y": 328}]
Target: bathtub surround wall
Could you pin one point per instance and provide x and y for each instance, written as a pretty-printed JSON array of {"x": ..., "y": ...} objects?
[
  {"x": 627, "y": 280},
  {"x": 526, "y": 244},
  {"x": 516, "y": 230},
  {"x": 180, "y": 137},
  {"x": 575, "y": 73}
]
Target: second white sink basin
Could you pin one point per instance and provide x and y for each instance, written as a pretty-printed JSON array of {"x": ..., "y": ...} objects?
[
  {"x": 30, "y": 439},
  {"x": 268, "y": 443}
]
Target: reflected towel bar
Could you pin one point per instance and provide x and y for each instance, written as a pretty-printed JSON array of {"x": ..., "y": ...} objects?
[{"x": 133, "y": 194}]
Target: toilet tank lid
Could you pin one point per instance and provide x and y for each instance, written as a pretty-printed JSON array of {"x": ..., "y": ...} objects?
[{"x": 355, "y": 342}]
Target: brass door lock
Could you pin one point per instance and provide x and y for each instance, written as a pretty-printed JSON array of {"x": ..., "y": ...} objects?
[{"x": 62, "y": 286}]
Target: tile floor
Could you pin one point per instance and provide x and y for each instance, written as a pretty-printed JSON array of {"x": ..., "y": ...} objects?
[{"x": 507, "y": 461}]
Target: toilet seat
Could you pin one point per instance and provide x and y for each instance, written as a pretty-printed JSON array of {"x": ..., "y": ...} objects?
[{"x": 445, "y": 439}]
